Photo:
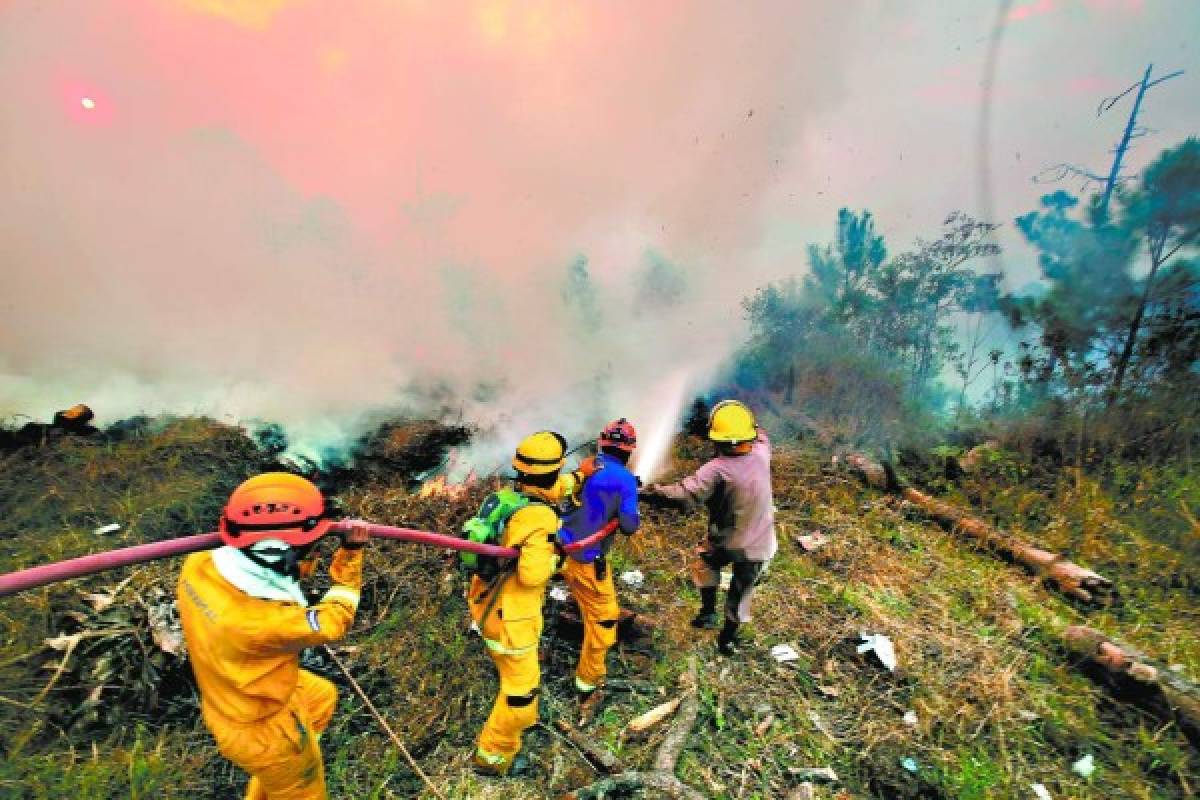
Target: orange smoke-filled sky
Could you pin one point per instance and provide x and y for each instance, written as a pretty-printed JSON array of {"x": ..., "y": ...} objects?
[{"x": 297, "y": 210}]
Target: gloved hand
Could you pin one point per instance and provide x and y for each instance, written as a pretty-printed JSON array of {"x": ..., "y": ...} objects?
[
  {"x": 654, "y": 495},
  {"x": 357, "y": 537}
]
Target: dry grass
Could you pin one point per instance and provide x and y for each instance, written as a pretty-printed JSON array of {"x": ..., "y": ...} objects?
[{"x": 998, "y": 704}]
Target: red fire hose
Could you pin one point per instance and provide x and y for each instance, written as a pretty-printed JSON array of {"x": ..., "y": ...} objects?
[{"x": 99, "y": 562}]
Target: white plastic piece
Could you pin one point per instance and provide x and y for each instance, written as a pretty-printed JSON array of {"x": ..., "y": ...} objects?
[
  {"x": 910, "y": 719},
  {"x": 882, "y": 647},
  {"x": 633, "y": 578},
  {"x": 784, "y": 653},
  {"x": 1040, "y": 791},
  {"x": 812, "y": 541},
  {"x": 1085, "y": 766},
  {"x": 112, "y": 527},
  {"x": 815, "y": 773}
]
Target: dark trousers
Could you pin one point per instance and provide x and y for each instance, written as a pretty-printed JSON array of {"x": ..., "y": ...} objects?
[{"x": 706, "y": 566}]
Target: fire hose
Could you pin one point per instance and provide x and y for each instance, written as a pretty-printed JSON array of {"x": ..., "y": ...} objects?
[{"x": 45, "y": 574}]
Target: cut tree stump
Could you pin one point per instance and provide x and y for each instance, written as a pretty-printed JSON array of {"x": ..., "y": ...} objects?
[
  {"x": 661, "y": 780},
  {"x": 1068, "y": 577},
  {"x": 1134, "y": 677}
]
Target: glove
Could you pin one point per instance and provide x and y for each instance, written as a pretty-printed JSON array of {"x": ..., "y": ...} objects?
[
  {"x": 357, "y": 536},
  {"x": 587, "y": 468}
]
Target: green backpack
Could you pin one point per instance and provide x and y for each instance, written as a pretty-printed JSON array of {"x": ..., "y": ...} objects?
[{"x": 487, "y": 527}]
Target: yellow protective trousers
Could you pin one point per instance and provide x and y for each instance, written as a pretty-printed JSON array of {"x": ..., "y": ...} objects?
[
  {"x": 513, "y": 646},
  {"x": 281, "y": 752},
  {"x": 509, "y": 615},
  {"x": 600, "y": 611}
]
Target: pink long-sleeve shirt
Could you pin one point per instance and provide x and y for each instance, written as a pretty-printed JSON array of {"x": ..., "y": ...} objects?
[{"x": 736, "y": 489}]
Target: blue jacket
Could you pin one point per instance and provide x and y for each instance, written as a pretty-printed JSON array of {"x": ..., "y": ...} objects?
[{"x": 610, "y": 493}]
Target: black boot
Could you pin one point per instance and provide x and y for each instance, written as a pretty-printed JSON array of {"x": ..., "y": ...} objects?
[
  {"x": 707, "y": 618},
  {"x": 727, "y": 640}
]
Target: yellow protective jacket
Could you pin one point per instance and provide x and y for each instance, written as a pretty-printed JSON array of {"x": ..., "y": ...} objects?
[
  {"x": 244, "y": 650},
  {"x": 518, "y": 609}
]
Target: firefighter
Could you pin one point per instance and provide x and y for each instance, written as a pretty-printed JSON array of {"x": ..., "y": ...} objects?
[
  {"x": 507, "y": 605},
  {"x": 246, "y": 618},
  {"x": 609, "y": 492},
  {"x": 735, "y": 486}
]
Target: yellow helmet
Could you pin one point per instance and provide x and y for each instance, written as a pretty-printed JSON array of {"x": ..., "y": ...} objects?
[
  {"x": 731, "y": 422},
  {"x": 540, "y": 453}
]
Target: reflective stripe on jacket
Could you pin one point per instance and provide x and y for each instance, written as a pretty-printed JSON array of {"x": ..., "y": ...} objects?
[
  {"x": 244, "y": 650},
  {"x": 514, "y": 623}
]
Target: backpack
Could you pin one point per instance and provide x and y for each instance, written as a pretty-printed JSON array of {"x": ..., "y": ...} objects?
[{"x": 487, "y": 527}]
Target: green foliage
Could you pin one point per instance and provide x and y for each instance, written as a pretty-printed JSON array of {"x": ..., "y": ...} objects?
[
  {"x": 1116, "y": 328},
  {"x": 860, "y": 343}
]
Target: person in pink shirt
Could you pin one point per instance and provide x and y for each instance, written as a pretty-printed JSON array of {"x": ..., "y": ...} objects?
[{"x": 735, "y": 487}]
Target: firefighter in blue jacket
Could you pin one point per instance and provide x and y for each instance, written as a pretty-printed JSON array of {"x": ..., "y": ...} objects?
[{"x": 609, "y": 492}]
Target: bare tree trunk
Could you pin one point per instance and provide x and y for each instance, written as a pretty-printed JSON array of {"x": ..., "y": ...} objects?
[
  {"x": 1132, "y": 675},
  {"x": 1156, "y": 249},
  {"x": 1067, "y": 577}
]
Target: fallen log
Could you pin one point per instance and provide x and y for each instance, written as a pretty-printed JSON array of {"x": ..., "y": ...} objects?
[
  {"x": 1134, "y": 677},
  {"x": 1068, "y": 577},
  {"x": 596, "y": 753},
  {"x": 661, "y": 780}
]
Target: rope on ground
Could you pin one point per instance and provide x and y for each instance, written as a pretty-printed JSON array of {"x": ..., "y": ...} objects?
[{"x": 383, "y": 724}]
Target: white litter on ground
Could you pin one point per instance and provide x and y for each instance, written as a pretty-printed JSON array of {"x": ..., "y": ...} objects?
[
  {"x": 1084, "y": 767},
  {"x": 1040, "y": 791},
  {"x": 784, "y": 653},
  {"x": 110, "y": 528},
  {"x": 881, "y": 646},
  {"x": 633, "y": 578},
  {"x": 812, "y": 541}
]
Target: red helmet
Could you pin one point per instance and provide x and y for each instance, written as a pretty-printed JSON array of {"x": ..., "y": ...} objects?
[
  {"x": 619, "y": 434},
  {"x": 274, "y": 505}
]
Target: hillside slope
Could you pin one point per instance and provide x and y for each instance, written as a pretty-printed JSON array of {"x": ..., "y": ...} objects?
[{"x": 998, "y": 705}]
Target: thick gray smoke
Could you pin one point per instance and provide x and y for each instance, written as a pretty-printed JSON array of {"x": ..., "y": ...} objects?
[
  {"x": 529, "y": 215},
  {"x": 535, "y": 214}
]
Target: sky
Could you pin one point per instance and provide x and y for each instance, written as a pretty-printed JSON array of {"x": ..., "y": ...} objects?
[{"x": 317, "y": 213}]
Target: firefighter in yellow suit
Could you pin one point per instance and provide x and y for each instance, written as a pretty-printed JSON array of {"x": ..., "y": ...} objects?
[
  {"x": 508, "y": 610},
  {"x": 246, "y": 619}
]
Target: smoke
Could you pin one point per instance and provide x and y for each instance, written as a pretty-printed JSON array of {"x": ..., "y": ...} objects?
[{"x": 524, "y": 215}]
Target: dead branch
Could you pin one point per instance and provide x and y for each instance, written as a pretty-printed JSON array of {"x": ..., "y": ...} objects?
[
  {"x": 681, "y": 726},
  {"x": 593, "y": 751},
  {"x": 661, "y": 780},
  {"x": 1135, "y": 677},
  {"x": 1066, "y": 576}
]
